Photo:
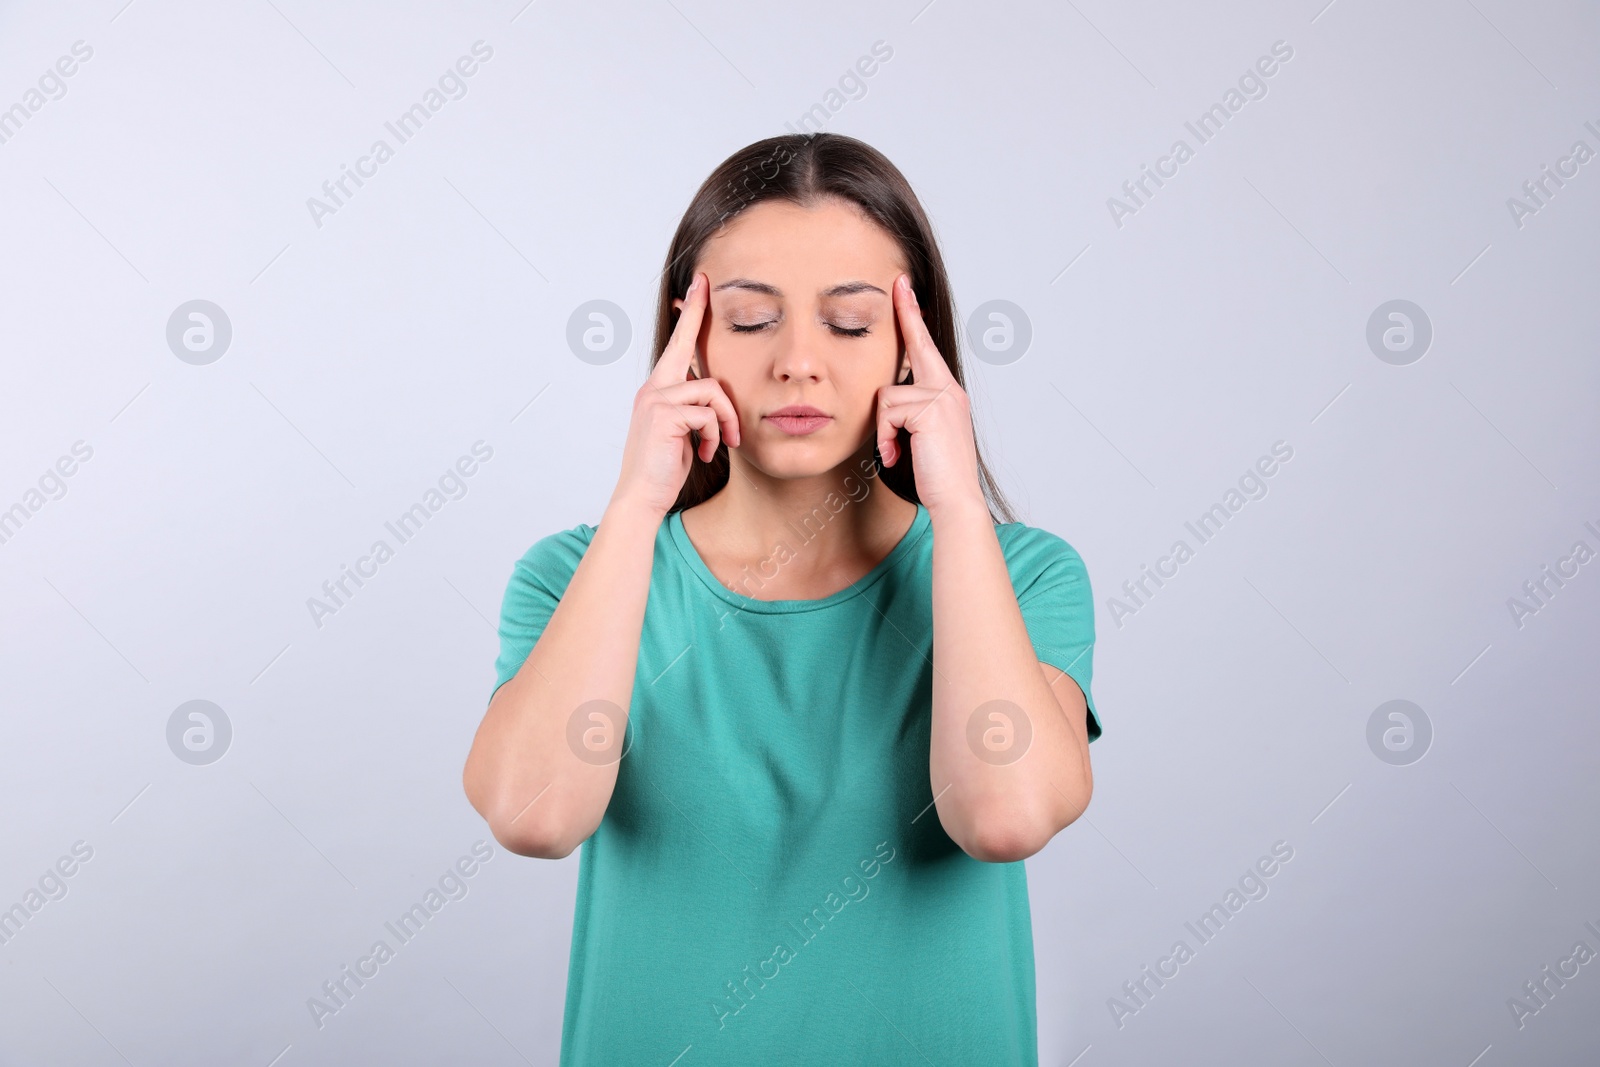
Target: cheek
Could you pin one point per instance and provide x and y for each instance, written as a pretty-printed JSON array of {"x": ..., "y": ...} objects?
[
  {"x": 737, "y": 371},
  {"x": 728, "y": 356},
  {"x": 873, "y": 362},
  {"x": 858, "y": 379}
]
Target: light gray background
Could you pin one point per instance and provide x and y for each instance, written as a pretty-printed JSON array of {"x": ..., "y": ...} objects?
[{"x": 1168, "y": 354}]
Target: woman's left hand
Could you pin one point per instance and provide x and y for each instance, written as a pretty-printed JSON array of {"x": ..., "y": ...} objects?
[{"x": 935, "y": 411}]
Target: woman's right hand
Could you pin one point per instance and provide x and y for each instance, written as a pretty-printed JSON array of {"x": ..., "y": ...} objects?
[{"x": 658, "y": 453}]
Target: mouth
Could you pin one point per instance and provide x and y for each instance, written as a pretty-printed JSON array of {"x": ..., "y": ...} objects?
[{"x": 798, "y": 419}]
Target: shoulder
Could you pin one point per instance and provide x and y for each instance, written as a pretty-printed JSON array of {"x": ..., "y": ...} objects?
[
  {"x": 1039, "y": 559},
  {"x": 574, "y": 540},
  {"x": 1028, "y": 544},
  {"x": 553, "y": 557}
]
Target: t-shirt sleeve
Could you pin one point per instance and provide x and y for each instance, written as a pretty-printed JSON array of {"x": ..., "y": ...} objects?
[
  {"x": 538, "y": 581},
  {"x": 1052, "y": 587}
]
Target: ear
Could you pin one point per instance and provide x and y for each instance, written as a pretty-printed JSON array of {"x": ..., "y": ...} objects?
[{"x": 905, "y": 368}]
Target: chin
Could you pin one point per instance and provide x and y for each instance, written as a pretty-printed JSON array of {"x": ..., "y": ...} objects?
[{"x": 795, "y": 458}]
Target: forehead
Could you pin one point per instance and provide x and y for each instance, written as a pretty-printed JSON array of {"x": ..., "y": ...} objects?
[{"x": 802, "y": 249}]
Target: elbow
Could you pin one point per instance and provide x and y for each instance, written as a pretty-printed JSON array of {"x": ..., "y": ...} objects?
[
  {"x": 533, "y": 843},
  {"x": 1007, "y": 834},
  {"x": 998, "y": 840},
  {"x": 534, "y": 830},
  {"x": 540, "y": 835}
]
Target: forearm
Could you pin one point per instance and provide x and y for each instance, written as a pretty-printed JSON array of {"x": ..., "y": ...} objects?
[
  {"x": 523, "y": 774},
  {"x": 997, "y": 806}
]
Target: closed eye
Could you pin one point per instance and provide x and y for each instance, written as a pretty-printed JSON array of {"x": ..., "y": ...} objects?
[{"x": 757, "y": 327}]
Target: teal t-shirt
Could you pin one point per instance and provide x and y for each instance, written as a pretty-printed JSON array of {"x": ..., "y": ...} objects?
[{"x": 770, "y": 883}]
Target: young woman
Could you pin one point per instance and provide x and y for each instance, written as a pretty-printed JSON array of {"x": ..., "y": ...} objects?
[{"x": 803, "y": 699}]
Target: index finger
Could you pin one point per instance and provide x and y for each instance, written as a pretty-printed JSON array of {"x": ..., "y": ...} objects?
[
  {"x": 673, "y": 366},
  {"x": 927, "y": 364}
]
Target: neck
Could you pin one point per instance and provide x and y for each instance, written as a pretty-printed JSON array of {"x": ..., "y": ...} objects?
[{"x": 837, "y": 515}]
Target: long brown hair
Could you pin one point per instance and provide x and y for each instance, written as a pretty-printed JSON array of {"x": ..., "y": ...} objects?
[{"x": 803, "y": 168}]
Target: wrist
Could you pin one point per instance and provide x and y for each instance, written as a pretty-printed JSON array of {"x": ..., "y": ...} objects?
[
  {"x": 961, "y": 511},
  {"x": 630, "y": 511}
]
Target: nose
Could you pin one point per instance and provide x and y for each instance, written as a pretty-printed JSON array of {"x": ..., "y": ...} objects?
[{"x": 797, "y": 356}]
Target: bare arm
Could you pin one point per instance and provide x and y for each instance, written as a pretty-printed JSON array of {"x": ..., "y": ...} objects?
[
  {"x": 1006, "y": 788},
  {"x": 544, "y": 762},
  {"x": 1008, "y": 760},
  {"x": 539, "y": 797}
]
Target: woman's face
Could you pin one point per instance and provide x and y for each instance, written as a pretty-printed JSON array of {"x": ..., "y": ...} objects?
[{"x": 801, "y": 315}]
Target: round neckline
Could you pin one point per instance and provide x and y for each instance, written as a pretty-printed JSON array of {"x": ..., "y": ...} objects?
[{"x": 691, "y": 556}]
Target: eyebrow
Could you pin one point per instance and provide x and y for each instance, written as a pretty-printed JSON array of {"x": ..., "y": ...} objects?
[{"x": 843, "y": 289}]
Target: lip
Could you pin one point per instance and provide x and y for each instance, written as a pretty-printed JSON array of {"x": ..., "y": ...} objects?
[{"x": 798, "y": 420}]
